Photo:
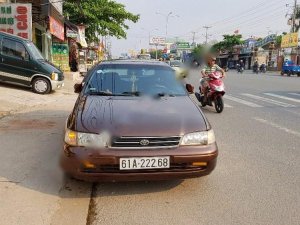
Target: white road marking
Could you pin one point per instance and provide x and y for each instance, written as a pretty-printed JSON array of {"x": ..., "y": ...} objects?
[
  {"x": 251, "y": 104},
  {"x": 283, "y": 97},
  {"x": 287, "y": 130},
  {"x": 268, "y": 100},
  {"x": 296, "y": 94},
  {"x": 228, "y": 106}
]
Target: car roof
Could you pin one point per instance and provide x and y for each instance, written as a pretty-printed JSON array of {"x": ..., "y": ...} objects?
[
  {"x": 13, "y": 36},
  {"x": 135, "y": 62}
]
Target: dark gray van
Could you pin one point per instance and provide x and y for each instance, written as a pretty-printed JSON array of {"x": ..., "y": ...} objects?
[{"x": 22, "y": 63}]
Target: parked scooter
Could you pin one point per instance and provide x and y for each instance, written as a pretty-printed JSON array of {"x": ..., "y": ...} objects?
[
  {"x": 215, "y": 92},
  {"x": 263, "y": 68},
  {"x": 239, "y": 68},
  {"x": 255, "y": 68}
]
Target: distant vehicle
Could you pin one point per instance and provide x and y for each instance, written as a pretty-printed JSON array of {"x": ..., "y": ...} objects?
[
  {"x": 290, "y": 68},
  {"x": 134, "y": 121},
  {"x": 22, "y": 63},
  {"x": 193, "y": 60},
  {"x": 144, "y": 56},
  {"x": 180, "y": 70}
]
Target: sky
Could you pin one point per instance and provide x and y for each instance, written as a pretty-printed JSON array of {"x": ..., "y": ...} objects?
[{"x": 252, "y": 18}]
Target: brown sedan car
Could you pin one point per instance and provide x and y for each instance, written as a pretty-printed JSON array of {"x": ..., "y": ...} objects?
[{"x": 134, "y": 121}]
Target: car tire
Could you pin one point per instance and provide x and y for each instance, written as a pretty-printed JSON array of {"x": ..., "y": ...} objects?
[{"x": 41, "y": 86}]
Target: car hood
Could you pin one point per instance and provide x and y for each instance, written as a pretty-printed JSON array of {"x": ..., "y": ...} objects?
[
  {"x": 137, "y": 116},
  {"x": 49, "y": 67}
]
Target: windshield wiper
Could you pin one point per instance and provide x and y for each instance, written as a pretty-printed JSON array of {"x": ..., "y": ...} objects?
[
  {"x": 132, "y": 93},
  {"x": 101, "y": 93},
  {"x": 162, "y": 94}
]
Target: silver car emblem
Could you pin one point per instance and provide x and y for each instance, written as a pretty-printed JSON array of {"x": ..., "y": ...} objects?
[{"x": 144, "y": 142}]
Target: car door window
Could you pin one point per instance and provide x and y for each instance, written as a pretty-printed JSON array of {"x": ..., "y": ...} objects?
[{"x": 14, "y": 49}]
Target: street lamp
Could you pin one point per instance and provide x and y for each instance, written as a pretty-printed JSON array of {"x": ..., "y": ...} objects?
[{"x": 167, "y": 16}]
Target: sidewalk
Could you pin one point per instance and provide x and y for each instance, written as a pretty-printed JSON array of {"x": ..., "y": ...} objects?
[{"x": 15, "y": 98}]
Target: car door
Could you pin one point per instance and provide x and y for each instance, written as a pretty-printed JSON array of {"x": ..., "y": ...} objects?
[{"x": 16, "y": 64}]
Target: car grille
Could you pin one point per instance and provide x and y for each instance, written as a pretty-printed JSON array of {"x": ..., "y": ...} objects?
[
  {"x": 115, "y": 169},
  {"x": 145, "y": 142}
]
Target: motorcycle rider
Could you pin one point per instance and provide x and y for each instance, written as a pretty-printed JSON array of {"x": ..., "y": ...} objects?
[
  {"x": 255, "y": 66},
  {"x": 211, "y": 67}
]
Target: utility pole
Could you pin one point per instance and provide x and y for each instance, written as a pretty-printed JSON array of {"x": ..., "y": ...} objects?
[
  {"x": 206, "y": 34},
  {"x": 194, "y": 34},
  {"x": 294, "y": 17}
]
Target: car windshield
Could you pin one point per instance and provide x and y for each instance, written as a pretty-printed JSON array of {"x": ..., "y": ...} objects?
[
  {"x": 134, "y": 80},
  {"x": 34, "y": 50}
]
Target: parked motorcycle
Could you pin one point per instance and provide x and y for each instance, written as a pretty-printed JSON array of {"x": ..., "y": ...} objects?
[
  {"x": 263, "y": 68},
  {"x": 215, "y": 92},
  {"x": 240, "y": 69},
  {"x": 255, "y": 69}
]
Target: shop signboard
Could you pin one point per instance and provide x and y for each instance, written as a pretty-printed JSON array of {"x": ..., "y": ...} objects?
[
  {"x": 158, "y": 41},
  {"x": 183, "y": 45},
  {"x": 60, "y": 56},
  {"x": 57, "y": 28},
  {"x": 81, "y": 36},
  {"x": 267, "y": 40},
  {"x": 289, "y": 40},
  {"x": 71, "y": 33},
  {"x": 16, "y": 19}
]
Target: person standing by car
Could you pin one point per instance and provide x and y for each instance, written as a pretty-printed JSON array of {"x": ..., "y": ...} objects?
[{"x": 211, "y": 67}]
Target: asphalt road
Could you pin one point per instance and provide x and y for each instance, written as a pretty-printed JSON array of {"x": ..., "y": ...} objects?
[{"x": 257, "y": 179}]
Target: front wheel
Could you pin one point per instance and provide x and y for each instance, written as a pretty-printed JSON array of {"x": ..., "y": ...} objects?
[
  {"x": 41, "y": 85},
  {"x": 219, "y": 104}
]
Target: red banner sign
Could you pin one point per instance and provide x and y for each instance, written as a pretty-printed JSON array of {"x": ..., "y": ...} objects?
[{"x": 57, "y": 29}]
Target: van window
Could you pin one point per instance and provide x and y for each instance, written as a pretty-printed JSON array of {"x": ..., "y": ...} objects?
[{"x": 14, "y": 49}]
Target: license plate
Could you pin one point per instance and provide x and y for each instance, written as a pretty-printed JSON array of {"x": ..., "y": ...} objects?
[{"x": 145, "y": 163}]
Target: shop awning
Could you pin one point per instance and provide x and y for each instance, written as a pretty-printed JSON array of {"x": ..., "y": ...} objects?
[{"x": 223, "y": 56}]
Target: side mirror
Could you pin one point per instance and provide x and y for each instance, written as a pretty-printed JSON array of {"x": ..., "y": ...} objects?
[
  {"x": 190, "y": 88},
  {"x": 77, "y": 88}
]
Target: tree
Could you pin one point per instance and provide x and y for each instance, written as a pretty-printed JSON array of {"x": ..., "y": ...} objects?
[
  {"x": 153, "y": 54},
  {"x": 228, "y": 43},
  {"x": 101, "y": 17}
]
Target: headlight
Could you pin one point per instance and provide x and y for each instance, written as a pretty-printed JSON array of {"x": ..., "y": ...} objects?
[
  {"x": 199, "y": 138},
  {"x": 86, "y": 140},
  {"x": 54, "y": 76}
]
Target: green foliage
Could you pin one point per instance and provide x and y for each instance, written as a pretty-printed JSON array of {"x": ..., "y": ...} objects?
[
  {"x": 102, "y": 17},
  {"x": 278, "y": 40},
  {"x": 159, "y": 54},
  {"x": 198, "y": 50},
  {"x": 228, "y": 43}
]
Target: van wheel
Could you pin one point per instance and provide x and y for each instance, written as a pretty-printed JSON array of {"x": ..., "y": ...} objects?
[{"x": 41, "y": 86}]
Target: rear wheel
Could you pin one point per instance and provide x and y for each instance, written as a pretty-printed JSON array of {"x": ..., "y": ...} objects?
[
  {"x": 282, "y": 73},
  {"x": 219, "y": 104}
]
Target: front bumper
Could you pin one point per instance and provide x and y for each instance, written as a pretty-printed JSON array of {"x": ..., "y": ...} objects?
[
  {"x": 57, "y": 84},
  {"x": 107, "y": 163}
]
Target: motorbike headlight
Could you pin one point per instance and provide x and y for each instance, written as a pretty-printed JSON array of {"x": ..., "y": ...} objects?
[
  {"x": 54, "y": 76},
  {"x": 86, "y": 140},
  {"x": 199, "y": 138}
]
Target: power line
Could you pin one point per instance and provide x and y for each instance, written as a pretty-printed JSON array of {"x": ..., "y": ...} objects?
[
  {"x": 258, "y": 8},
  {"x": 251, "y": 23},
  {"x": 206, "y": 33}
]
